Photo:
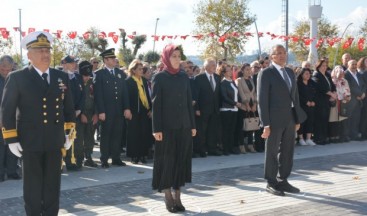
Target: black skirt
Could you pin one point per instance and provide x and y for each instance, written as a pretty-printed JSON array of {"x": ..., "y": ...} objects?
[{"x": 172, "y": 160}]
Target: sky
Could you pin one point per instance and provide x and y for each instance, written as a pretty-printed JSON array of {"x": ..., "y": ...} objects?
[{"x": 175, "y": 18}]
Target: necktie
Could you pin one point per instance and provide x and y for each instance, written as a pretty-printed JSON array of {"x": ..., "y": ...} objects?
[
  {"x": 44, "y": 76},
  {"x": 211, "y": 82},
  {"x": 286, "y": 79},
  {"x": 112, "y": 72}
]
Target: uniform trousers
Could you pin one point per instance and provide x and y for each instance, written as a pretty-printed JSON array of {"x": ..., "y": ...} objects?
[
  {"x": 85, "y": 138},
  {"x": 111, "y": 137},
  {"x": 8, "y": 161},
  {"x": 42, "y": 178},
  {"x": 78, "y": 146}
]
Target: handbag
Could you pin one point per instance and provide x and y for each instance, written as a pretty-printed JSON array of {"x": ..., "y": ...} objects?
[
  {"x": 251, "y": 122},
  {"x": 343, "y": 109}
]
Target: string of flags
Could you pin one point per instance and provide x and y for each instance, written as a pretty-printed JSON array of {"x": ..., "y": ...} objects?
[{"x": 346, "y": 43}]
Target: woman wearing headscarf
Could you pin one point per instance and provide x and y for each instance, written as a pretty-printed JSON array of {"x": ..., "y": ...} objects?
[
  {"x": 138, "y": 134},
  {"x": 173, "y": 128}
]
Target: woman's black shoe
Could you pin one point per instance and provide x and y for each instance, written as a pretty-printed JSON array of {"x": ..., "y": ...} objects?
[
  {"x": 135, "y": 160},
  {"x": 180, "y": 208},
  {"x": 170, "y": 207}
]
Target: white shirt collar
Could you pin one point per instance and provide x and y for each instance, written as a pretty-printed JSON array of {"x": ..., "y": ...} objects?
[
  {"x": 208, "y": 75},
  {"x": 40, "y": 72}
]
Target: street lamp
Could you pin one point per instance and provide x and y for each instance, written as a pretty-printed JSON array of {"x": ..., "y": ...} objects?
[
  {"x": 155, "y": 32},
  {"x": 337, "y": 49}
]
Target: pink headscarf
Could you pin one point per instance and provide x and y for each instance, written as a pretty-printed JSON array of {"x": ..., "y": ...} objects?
[{"x": 166, "y": 54}]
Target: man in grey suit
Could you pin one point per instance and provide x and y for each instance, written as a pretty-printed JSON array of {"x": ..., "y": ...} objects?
[
  {"x": 357, "y": 91},
  {"x": 280, "y": 115}
]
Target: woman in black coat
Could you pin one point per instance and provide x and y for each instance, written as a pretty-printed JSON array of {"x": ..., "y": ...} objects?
[
  {"x": 307, "y": 91},
  {"x": 139, "y": 133},
  {"x": 324, "y": 98},
  {"x": 173, "y": 128},
  {"x": 229, "y": 108}
]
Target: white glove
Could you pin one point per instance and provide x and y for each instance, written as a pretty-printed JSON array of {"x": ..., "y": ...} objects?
[
  {"x": 77, "y": 113},
  {"x": 16, "y": 149},
  {"x": 67, "y": 143}
]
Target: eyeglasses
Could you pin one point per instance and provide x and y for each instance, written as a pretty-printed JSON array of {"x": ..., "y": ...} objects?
[{"x": 95, "y": 62}]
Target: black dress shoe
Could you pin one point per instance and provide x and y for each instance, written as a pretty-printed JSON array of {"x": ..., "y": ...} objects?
[
  {"x": 72, "y": 167},
  {"x": 171, "y": 207},
  {"x": 90, "y": 163},
  {"x": 2, "y": 178},
  {"x": 118, "y": 162},
  {"x": 143, "y": 160},
  {"x": 202, "y": 154},
  {"x": 134, "y": 160},
  {"x": 180, "y": 208},
  {"x": 215, "y": 153},
  {"x": 273, "y": 190},
  {"x": 105, "y": 165},
  {"x": 286, "y": 187},
  {"x": 14, "y": 176}
]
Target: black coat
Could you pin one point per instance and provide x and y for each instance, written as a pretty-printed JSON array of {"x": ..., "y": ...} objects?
[
  {"x": 172, "y": 102},
  {"x": 227, "y": 94},
  {"x": 76, "y": 86},
  {"x": 42, "y": 110},
  {"x": 136, "y": 105},
  {"x": 208, "y": 101},
  {"x": 322, "y": 87},
  {"x": 306, "y": 93},
  {"x": 110, "y": 92}
]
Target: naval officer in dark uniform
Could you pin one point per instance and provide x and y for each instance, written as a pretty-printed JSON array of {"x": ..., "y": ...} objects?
[
  {"x": 112, "y": 102},
  {"x": 38, "y": 120}
]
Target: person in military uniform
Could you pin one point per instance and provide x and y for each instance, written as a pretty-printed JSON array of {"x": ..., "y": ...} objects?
[
  {"x": 112, "y": 102},
  {"x": 8, "y": 161},
  {"x": 38, "y": 120},
  {"x": 75, "y": 155},
  {"x": 88, "y": 116}
]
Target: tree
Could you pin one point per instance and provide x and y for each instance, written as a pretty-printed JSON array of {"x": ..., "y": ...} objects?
[
  {"x": 138, "y": 41},
  {"x": 302, "y": 30},
  {"x": 125, "y": 53},
  {"x": 352, "y": 50},
  {"x": 95, "y": 41},
  {"x": 221, "y": 18},
  {"x": 363, "y": 28},
  {"x": 151, "y": 57}
]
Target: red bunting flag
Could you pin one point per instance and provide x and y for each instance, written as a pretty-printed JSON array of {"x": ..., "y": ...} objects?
[
  {"x": 199, "y": 36},
  {"x": 23, "y": 33},
  {"x": 248, "y": 34},
  {"x": 348, "y": 43},
  {"x": 163, "y": 37},
  {"x": 46, "y": 30},
  {"x": 72, "y": 34},
  {"x": 222, "y": 39},
  {"x": 58, "y": 34},
  {"x": 2, "y": 29},
  {"x": 330, "y": 41},
  {"x": 131, "y": 36},
  {"x": 361, "y": 44},
  {"x": 30, "y": 30},
  {"x": 319, "y": 42},
  {"x": 115, "y": 38},
  {"x": 86, "y": 35},
  {"x": 5, "y": 34},
  {"x": 156, "y": 38},
  {"x": 111, "y": 34},
  {"x": 16, "y": 28},
  {"x": 170, "y": 37},
  {"x": 235, "y": 34},
  {"x": 211, "y": 34},
  {"x": 102, "y": 35},
  {"x": 260, "y": 34},
  {"x": 184, "y": 37},
  {"x": 307, "y": 41},
  {"x": 295, "y": 39},
  {"x": 134, "y": 33}
]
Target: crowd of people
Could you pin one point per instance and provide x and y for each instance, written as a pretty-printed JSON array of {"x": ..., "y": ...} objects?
[{"x": 180, "y": 111}]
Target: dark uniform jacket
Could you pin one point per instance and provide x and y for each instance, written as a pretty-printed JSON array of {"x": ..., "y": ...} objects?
[
  {"x": 36, "y": 111},
  {"x": 76, "y": 85},
  {"x": 110, "y": 92},
  {"x": 172, "y": 102},
  {"x": 88, "y": 107}
]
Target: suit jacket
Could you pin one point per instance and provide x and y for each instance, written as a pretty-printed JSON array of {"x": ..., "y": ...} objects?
[
  {"x": 275, "y": 100},
  {"x": 172, "y": 102},
  {"x": 136, "y": 105},
  {"x": 208, "y": 101},
  {"x": 76, "y": 86},
  {"x": 356, "y": 90},
  {"x": 110, "y": 92},
  {"x": 36, "y": 111}
]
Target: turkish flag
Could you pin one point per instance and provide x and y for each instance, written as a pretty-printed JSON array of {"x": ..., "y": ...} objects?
[
  {"x": 23, "y": 34},
  {"x": 131, "y": 36},
  {"x": 31, "y": 30},
  {"x": 156, "y": 38},
  {"x": 5, "y": 34},
  {"x": 170, "y": 37},
  {"x": 102, "y": 35},
  {"x": 86, "y": 35},
  {"x": 361, "y": 44},
  {"x": 163, "y": 37},
  {"x": 348, "y": 43},
  {"x": 46, "y": 30},
  {"x": 16, "y": 28},
  {"x": 222, "y": 39},
  {"x": 199, "y": 36},
  {"x": 115, "y": 38},
  {"x": 111, "y": 34},
  {"x": 319, "y": 42},
  {"x": 72, "y": 34}
]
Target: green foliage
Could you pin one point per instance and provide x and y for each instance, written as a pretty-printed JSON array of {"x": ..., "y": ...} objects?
[
  {"x": 126, "y": 56},
  {"x": 138, "y": 41},
  {"x": 220, "y": 17},
  {"x": 302, "y": 30},
  {"x": 352, "y": 50},
  {"x": 94, "y": 42},
  {"x": 183, "y": 57},
  {"x": 151, "y": 57},
  {"x": 363, "y": 28}
]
